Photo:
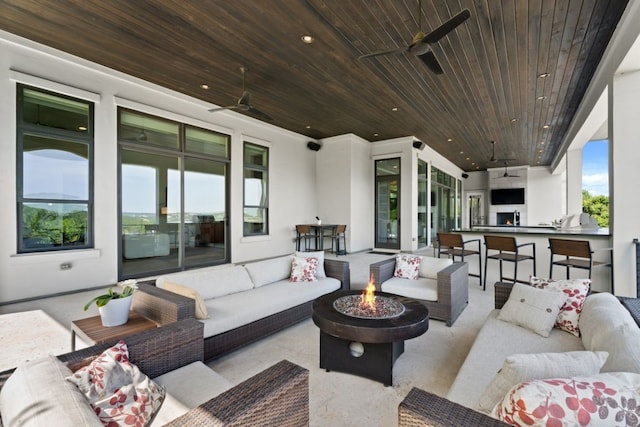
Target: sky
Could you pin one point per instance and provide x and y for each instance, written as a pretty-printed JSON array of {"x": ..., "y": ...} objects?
[{"x": 595, "y": 167}]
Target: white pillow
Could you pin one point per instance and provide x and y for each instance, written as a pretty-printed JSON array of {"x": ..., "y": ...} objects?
[
  {"x": 576, "y": 291},
  {"x": 526, "y": 367},
  {"x": 320, "y": 273},
  {"x": 407, "y": 266},
  {"x": 532, "y": 308},
  {"x": 429, "y": 267},
  {"x": 37, "y": 394}
]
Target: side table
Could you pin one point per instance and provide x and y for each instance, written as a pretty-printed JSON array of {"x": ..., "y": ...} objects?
[{"x": 92, "y": 331}]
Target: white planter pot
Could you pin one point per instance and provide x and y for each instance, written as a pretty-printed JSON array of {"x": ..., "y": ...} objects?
[{"x": 116, "y": 312}]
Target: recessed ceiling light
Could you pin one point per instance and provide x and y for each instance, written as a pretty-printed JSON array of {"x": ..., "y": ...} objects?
[
  {"x": 545, "y": 127},
  {"x": 82, "y": 128},
  {"x": 541, "y": 142},
  {"x": 462, "y": 152},
  {"x": 308, "y": 126},
  {"x": 477, "y": 167},
  {"x": 375, "y": 134},
  {"x": 473, "y": 163},
  {"x": 514, "y": 120},
  {"x": 307, "y": 38},
  {"x": 394, "y": 109},
  {"x": 449, "y": 139},
  {"x": 468, "y": 158},
  {"x": 540, "y": 98},
  {"x": 204, "y": 86},
  {"x": 543, "y": 75}
]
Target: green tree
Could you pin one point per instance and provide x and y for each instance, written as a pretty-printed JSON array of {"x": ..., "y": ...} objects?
[{"x": 597, "y": 207}]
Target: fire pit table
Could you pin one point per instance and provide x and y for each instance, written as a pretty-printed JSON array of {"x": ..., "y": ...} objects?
[{"x": 366, "y": 342}]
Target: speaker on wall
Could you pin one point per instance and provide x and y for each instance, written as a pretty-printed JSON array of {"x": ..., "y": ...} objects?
[
  {"x": 419, "y": 145},
  {"x": 313, "y": 146},
  {"x": 465, "y": 175}
]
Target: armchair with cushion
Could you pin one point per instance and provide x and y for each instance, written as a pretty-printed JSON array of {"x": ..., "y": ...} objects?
[
  {"x": 170, "y": 355},
  {"x": 440, "y": 284}
]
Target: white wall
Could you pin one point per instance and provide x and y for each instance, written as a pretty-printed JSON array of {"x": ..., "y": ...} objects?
[
  {"x": 344, "y": 187},
  {"x": 545, "y": 194},
  {"x": 291, "y": 182}
]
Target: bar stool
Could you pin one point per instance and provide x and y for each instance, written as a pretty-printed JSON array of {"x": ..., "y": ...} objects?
[
  {"x": 453, "y": 245},
  {"x": 339, "y": 233},
  {"x": 303, "y": 232},
  {"x": 508, "y": 250},
  {"x": 576, "y": 254}
]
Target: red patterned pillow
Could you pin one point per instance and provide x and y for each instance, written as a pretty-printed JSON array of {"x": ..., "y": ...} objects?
[
  {"x": 117, "y": 390},
  {"x": 605, "y": 400},
  {"x": 576, "y": 291},
  {"x": 304, "y": 269},
  {"x": 407, "y": 266}
]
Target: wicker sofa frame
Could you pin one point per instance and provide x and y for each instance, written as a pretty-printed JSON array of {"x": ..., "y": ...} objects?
[
  {"x": 421, "y": 408},
  {"x": 453, "y": 288},
  {"x": 165, "y": 307},
  {"x": 279, "y": 395}
]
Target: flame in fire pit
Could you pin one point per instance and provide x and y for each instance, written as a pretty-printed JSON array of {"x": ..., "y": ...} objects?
[{"x": 368, "y": 297}]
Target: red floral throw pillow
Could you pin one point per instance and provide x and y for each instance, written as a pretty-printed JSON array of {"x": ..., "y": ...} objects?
[
  {"x": 304, "y": 269},
  {"x": 120, "y": 394},
  {"x": 605, "y": 400},
  {"x": 576, "y": 291},
  {"x": 407, "y": 266}
]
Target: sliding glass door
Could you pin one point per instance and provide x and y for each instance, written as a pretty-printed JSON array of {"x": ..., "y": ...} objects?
[{"x": 387, "y": 204}]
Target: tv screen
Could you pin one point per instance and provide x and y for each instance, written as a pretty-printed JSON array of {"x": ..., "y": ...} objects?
[{"x": 507, "y": 196}]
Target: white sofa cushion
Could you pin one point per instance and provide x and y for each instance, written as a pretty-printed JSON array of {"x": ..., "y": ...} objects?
[
  {"x": 495, "y": 341},
  {"x": 234, "y": 310},
  {"x": 213, "y": 283},
  {"x": 526, "y": 367},
  {"x": 429, "y": 267},
  {"x": 601, "y": 313},
  {"x": 188, "y": 387},
  {"x": 269, "y": 271},
  {"x": 421, "y": 288},
  {"x": 37, "y": 394}
]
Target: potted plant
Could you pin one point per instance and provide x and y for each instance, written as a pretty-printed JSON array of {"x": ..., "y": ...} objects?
[{"x": 114, "y": 306}]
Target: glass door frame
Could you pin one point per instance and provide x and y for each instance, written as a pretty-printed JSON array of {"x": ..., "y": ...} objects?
[{"x": 388, "y": 176}]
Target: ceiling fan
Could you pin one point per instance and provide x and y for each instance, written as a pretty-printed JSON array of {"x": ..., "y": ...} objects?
[
  {"x": 507, "y": 174},
  {"x": 244, "y": 103},
  {"x": 420, "y": 44}
]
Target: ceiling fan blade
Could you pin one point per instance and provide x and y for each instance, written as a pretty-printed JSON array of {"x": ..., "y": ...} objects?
[
  {"x": 259, "y": 113},
  {"x": 447, "y": 27},
  {"x": 431, "y": 62},
  {"x": 229, "y": 107},
  {"x": 384, "y": 52}
]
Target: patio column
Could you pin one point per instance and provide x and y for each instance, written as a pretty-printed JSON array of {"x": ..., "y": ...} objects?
[
  {"x": 574, "y": 181},
  {"x": 624, "y": 177}
]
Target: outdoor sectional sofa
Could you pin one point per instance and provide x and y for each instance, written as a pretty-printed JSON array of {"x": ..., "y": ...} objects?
[
  {"x": 244, "y": 303},
  {"x": 605, "y": 324},
  {"x": 442, "y": 285},
  {"x": 172, "y": 356}
]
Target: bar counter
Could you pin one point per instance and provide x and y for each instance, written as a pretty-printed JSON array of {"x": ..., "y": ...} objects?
[{"x": 599, "y": 240}]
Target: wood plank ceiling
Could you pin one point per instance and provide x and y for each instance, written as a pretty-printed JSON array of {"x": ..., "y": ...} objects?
[{"x": 490, "y": 89}]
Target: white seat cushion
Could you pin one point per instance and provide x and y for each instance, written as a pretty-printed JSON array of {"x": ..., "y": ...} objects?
[
  {"x": 188, "y": 387},
  {"x": 421, "y": 288}
]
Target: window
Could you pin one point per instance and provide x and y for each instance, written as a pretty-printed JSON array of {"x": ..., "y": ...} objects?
[
  {"x": 55, "y": 171},
  {"x": 173, "y": 195},
  {"x": 256, "y": 199}
]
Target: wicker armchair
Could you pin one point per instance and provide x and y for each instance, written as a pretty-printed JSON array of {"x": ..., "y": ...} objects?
[
  {"x": 279, "y": 395},
  {"x": 453, "y": 288}
]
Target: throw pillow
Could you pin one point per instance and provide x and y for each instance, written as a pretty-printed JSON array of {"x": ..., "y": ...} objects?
[
  {"x": 303, "y": 269},
  {"x": 320, "y": 273},
  {"x": 407, "y": 266},
  {"x": 526, "y": 367},
  {"x": 117, "y": 390},
  {"x": 576, "y": 291},
  {"x": 599, "y": 400},
  {"x": 176, "y": 288},
  {"x": 36, "y": 394},
  {"x": 532, "y": 308}
]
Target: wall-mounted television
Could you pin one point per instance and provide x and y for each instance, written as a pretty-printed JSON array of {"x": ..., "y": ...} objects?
[{"x": 507, "y": 196}]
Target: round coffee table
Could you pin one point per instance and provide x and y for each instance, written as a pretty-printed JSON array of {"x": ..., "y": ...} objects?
[{"x": 367, "y": 347}]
